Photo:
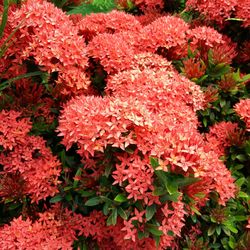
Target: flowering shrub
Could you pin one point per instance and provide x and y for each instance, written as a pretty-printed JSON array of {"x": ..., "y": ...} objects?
[{"x": 124, "y": 125}]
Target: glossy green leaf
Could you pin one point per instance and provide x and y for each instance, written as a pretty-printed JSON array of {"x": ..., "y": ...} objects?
[
  {"x": 153, "y": 229},
  {"x": 84, "y": 193},
  {"x": 77, "y": 175},
  {"x": 150, "y": 212},
  {"x": 240, "y": 181},
  {"x": 120, "y": 198},
  {"x": 242, "y": 194},
  {"x": 122, "y": 213},
  {"x": 211, "y": 230},
  {"x": 154, "y": 162},
  {"x": 56, "y": 199},
  {"x": 112, "y": 218},
  {"x": 93, "y": 201}
]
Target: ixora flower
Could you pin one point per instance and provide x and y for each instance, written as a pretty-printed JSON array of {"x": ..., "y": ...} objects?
[
  {"x": 48, "y": 35},
  {"x": 28, "y": 157},
  {"x": 214, "y": 10},
  {"x": 152, "y": 111},
  {"x": 112, "y": 22},
  {"x": 243, "y": 110},
  {"x": 224, "y": 134},
  {"x": 54, "y": 229},
  {"x": 149, "y": 4}
]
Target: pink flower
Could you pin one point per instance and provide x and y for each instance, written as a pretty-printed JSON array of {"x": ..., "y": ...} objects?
[
  {"x": 54, "y": 230},
  {"x": 243, "y": 110},
  {"x": 149, "y": 4},
  {"x": 243, "y": 12},
  {"x": 164, "y": 32},
  {"x": 215, "y": 10},
  {"x": 112, "y": 22},
  {"x": 28, "y": 156},
  {"x": 48, "y": 35},
  {"x": 13, "y": 129},
  {"x": 224, "y": 134},
  {"x": 113, "y": 52}
]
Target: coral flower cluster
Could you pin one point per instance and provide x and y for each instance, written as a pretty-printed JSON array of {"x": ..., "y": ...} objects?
[
  {"x": 143, "y": 124},
  {"x": 26, "y": 159},
  {"x": 221, "y": 10}
]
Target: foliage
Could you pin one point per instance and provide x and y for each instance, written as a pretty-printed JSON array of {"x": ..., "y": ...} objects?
[
  {"x": 124, "y": 129},
  {"x": 95, "y": 6}
]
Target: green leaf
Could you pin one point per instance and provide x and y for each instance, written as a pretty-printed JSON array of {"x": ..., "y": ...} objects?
[
  {"x": 96, "y": 6},
  {"x": 232, "y": 242},
  {"x": 226, "y": 231},
  {"x": 211, "y": 230},
  {"x": 168, "y": 181},
  {"x": 59, "y": 3},
  {"x": 172, "y": 186},
  {"x": 154, "y": 162},
  {"x": 106, "y": 208},
  {"x": 84, "y": 193},
  {"x": 234, "y": 19},
  {"x": 142, "y": 235},
  {"x": 201, "y": 79},
  {"x": 157, "y": 240},
  {"x": 242, "y": 194},
  {"x": 218, "y": 230},
  {"x": 200, "y": 195},
  {"x": 4, "y": 17},
  {"x": 241, "y": 157},
  {"x": 153, "y": 229},
  {"x": 93, "y": 201},
  {"x": 56, "y": 199},
  {"x": 240, "y": 181},
  {"x": 245, "y": 78},
  {"x": 5, "y": 45},
  {"x": 170, "y": 197},
  {"x": 158, "y": 191},
  {"x": 67, "y": 188},
  {"x": 108, "y": 170},
  {"x": 240, "y": 217},
  {"x": 204, "y": 120},
  {"x": 222, "y": 103},
  {"x": 14, "y": 206},
  {"x": 69, "y": 197},
  {"x": 215, "y": 246},
  {"x": 185, "y": 181},
  {"x": 150, "y": 212},
  {"x": 106, "y": 199},
  {"x": 219, "y": 70},
  {"x": 78, "y": 174},
  {"x": 229, "y": 225},
  {"x": 112, "y": 218},
  {"x": 7, "y": 83},
  {"x": 122, "y": 213},
  {"x": 120, "y": 198},
  {"x": 195, "y": 210}
]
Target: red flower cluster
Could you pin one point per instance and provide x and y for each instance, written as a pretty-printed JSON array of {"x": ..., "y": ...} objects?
[
  {"x": 149, "y": 4},
  {"x": 112, "y": 22},
  {"x": 54, "y": 229},
  {"x": 28, "y": 156},
  {"x": 148, "y": 112},
  {"x": 30, "y": 99},
  {"x": 154, "y": 110},
  {"x": 46, "y": 34},
  {"x": 224, "y": 134},
  {"x": 221, "y": 10},
  {"x": 116, "y": 49},
  {"x": 243, "y": 110}
]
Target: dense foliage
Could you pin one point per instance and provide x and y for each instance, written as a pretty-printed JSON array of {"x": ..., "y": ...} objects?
[{"x": 124, "y": 124}]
